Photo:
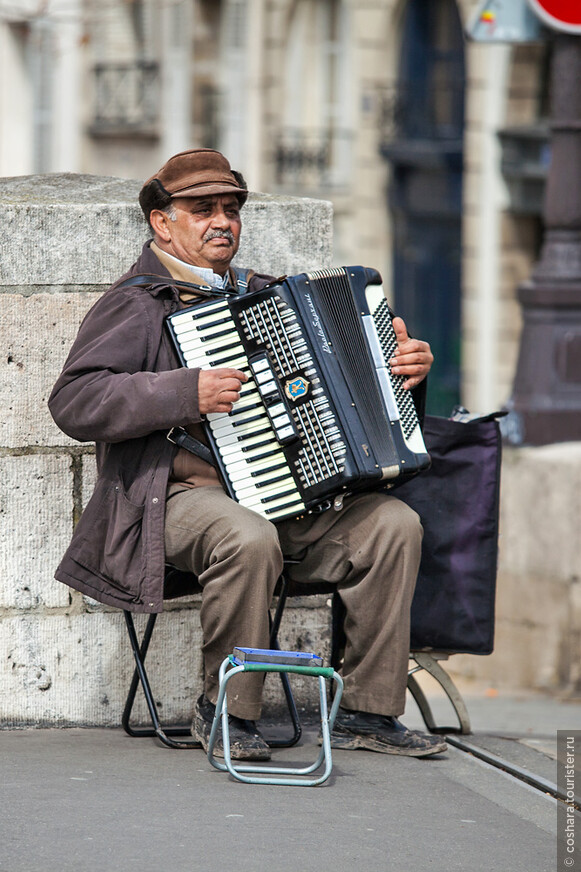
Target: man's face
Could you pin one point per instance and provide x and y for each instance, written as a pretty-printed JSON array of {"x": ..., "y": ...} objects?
[{"x": 206, "y": 231}]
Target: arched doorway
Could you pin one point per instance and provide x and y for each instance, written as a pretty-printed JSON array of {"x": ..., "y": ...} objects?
[{"x": 425, "y": 191}]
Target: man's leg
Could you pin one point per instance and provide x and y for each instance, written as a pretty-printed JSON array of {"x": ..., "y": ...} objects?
[
  {"x": 371, "y": 549},
  {"x": 236, "y": 555}
]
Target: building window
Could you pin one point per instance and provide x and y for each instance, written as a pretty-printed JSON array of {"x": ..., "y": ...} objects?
[
  {"x": 429, "y": 100},
  {"x": 126, "y": 78},
  {"x": 313, "y": 146}
]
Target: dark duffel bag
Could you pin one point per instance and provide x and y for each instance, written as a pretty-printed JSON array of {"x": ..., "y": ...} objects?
[{"x": 458, "y": 501}]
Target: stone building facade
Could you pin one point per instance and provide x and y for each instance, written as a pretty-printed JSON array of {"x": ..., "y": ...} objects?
[
  {"x": 307, "y": 98},
  {"x": 315, "y": 98}
]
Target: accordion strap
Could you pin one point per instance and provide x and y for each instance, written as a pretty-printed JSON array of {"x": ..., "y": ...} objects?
[
  {"x": 148, "y": 280},
  {"x": 183, "y": 439}
]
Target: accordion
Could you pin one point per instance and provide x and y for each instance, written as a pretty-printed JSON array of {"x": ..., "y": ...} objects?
[{"x": 321, "y": 414}]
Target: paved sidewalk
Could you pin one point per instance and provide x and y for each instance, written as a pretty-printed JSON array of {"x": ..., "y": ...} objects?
[{"x": 97, "y": 801}]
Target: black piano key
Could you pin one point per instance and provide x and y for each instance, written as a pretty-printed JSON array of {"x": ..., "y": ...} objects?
[
  {"x": 268, "y": 469},
  {"x": 278, "y": 497},
  {"x": 259, "y": 445}
]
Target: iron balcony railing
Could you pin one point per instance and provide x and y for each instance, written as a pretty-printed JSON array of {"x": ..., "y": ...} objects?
[
  {"x": 126, "y": 97},
  {"x": 312, "y": 159},
  {"x": 433, "y": 112}
]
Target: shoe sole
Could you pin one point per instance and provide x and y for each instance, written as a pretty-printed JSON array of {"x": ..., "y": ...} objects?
[{"x": 367, "y": 743}]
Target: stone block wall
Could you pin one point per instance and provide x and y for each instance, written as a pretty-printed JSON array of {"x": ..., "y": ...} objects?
[{"x": 64, "y": 659}]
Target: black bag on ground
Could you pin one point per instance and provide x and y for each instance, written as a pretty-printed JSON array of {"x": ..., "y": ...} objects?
[{"x": 457, "y": 500}]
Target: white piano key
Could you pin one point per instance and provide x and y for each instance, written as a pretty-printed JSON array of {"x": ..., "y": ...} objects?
[
  {"x": 223, "y": 439},
  {"x": 240, "y": 416},
  {"x": 203, "y": 324},
  {"x": 260, "y": 471},
  {"x": 228, "y": 362},
  {"x": 255, "y": 448},
  {"x": 284, "y": 511},
  {"x": 248, "y": 463},
  {"x": 251, "y": 420},
  {"x": 192, "y": 315},
  {"x": 230, "y": 445},
  {"x": 261, "y": 482},
  {"x": 229, "y": 338},
  {"x": 210, "y": 354},
  {"x": 206, "y": 361},
  {"x": 226, "y": 429},
  {"x": 261, "y": 497},
  {"x": 242, "y": 410}
]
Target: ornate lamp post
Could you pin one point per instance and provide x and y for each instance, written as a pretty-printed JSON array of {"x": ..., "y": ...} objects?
[{"x": 546, "y": 401}]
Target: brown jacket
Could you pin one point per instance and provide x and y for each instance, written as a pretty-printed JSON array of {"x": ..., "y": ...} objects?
[{"x": 123, "y": 388}]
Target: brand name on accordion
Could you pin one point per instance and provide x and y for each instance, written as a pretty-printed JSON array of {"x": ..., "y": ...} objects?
[{"x": 316, "y": 322}]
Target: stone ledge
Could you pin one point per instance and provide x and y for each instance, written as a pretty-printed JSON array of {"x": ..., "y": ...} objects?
[
  {"x": 67, "y": 237},
  {"x": 96, "y": 230}
]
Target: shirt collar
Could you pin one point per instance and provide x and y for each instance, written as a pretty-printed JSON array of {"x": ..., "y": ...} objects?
[{"x": 208, "y": 275}]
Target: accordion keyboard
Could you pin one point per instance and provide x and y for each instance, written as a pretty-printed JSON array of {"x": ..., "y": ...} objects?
[
  {"x": 250, "y": 451},
  {"x": 321, "y": 414}
]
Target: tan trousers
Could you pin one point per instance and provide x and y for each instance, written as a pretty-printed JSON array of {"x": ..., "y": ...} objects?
[{"x": 370, "y": 550}]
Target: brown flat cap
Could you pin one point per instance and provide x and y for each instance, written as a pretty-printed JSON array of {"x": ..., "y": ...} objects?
[{"x": 198, "y": 172}]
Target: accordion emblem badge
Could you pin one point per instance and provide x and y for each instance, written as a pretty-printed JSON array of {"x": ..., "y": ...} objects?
[{"x": 297, "y": 388}]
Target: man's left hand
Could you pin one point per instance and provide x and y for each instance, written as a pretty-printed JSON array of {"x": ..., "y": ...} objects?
[{"x": 413, "y": 357}]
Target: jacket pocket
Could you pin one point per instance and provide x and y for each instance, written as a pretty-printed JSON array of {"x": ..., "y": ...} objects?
[
  {"x": 110, "y": 541},
  {"x": 123, "y": 542}
]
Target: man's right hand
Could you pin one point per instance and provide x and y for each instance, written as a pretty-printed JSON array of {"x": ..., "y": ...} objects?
[{"x": 219, "y": 389}]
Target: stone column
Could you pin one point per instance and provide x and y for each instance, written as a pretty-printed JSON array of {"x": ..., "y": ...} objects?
[{"x": 546, "y": 402}]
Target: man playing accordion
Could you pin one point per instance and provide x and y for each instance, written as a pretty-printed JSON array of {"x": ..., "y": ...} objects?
[{"x": 123, "y": 388}]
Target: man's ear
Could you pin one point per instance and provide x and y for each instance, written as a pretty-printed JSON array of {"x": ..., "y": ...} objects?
[{"x": 160, "y": 224}]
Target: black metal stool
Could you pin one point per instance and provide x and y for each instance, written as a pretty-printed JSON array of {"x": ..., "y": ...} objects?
[
  {"x": 176, "y": 584},
  {"x": 179, "y": 584}
]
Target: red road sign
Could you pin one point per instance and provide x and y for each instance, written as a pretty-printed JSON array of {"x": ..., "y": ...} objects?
[{"x": 559, "y": 14}]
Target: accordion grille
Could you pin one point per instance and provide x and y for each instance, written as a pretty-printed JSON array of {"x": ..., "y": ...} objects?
[{"x": 272, "y": 322}]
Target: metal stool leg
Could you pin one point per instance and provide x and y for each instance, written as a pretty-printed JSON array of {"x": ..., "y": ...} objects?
[
  {"x": 140, "y": 676},
  {"x": 292, "y": 776}
]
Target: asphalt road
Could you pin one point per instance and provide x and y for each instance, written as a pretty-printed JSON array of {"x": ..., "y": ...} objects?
[{"x": 93, "y": 800}]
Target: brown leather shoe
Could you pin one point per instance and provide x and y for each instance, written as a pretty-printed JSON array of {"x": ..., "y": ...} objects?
[
  {"x": 246, "y": 740},
  {"x": 385, "y": 734}
]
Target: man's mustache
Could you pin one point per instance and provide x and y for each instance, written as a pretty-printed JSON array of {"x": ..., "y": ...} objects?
[{"x": 219, "y": 234}]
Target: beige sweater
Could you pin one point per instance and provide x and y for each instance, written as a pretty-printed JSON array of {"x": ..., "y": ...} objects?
[{"x": 188, "y": 469}]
